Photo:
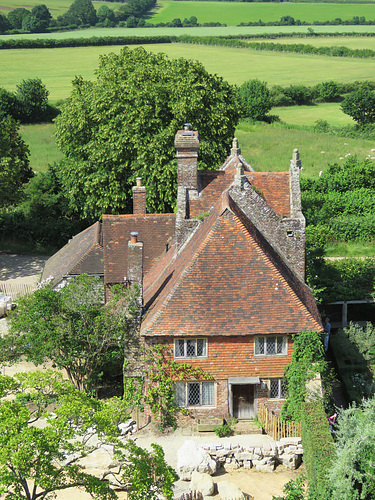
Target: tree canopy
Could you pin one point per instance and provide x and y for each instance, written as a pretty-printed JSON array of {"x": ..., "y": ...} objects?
[
  {"x": 360, "y": 105},
  {"x": 14, "y": 162},
  {"x": 123, "y": 125},
  {"x": 74, "y": 329},
  {"x": 41, "y": 451},
  {"x": 256, "y": 100},
  {"x": 32, "y": 100}
]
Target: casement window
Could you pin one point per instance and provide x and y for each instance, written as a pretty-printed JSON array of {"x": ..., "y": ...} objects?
[
  {"x": 277, "y": 388},
  {"x": 270, "y": 346},
  {"x": 190, "y": 348},
  {"x": 194, "y": 393}
]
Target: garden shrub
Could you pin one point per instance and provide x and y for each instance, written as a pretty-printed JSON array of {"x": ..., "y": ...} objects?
[{"x": 318, "y": 449}]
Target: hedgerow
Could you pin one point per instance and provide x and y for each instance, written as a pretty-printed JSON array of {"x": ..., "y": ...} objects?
[{"x": 318, "y": 449}]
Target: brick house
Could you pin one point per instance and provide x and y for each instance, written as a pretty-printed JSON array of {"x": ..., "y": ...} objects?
[{"x": 222, "y": 279}]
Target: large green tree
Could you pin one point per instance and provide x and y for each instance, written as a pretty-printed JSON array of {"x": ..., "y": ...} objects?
[
  {"x": 81, "y": 12},
  {"x": 123, "y": 125},
  {"x": 14, "y": 162},
  {"x": 16, "y": 16},
  {"x": 74, "y": 329},
  {"x": 360, "y": 105}
]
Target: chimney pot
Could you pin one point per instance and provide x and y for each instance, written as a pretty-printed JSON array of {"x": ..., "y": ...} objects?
[
  {"x": 134, "y": 237},
  {"x": 139, "y": 181},
  {"x": 187, "y": 126}
]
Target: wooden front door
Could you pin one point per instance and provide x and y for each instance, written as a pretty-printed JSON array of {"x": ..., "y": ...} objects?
[{"x": 243, "y": 401}]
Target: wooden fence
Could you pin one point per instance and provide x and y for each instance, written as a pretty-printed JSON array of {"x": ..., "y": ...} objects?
[
  {"x": 276, "y": 427},
  {"x": 15, "y": 290}
]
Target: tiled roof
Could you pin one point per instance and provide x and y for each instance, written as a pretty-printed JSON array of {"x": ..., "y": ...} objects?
[
  {"x": 155, "y": 231},
  {"x": 227, "y": 280},
  {"x": 83, "y": 254},
  {"x": 273, "y": 185}
]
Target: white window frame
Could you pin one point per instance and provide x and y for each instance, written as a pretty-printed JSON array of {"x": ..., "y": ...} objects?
[
  {"x": 283, "y": 339},
  {"x": 181, "y": 390},
  {"x": 280, "y": 392},
  {"x": 190, "y": 348}
]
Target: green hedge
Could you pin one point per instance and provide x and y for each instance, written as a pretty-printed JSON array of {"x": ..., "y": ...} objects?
[
  {"x": 39, "y": 43},
  {"x": 318, "y": 449}
]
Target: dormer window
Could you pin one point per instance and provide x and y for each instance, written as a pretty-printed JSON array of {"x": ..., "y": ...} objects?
[{"x": 190, "y": 348}]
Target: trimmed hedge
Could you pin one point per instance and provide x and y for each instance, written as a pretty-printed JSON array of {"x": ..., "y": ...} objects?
[
  {"x": 318, "y": 449},
  {"x": 49, "y": 43}
]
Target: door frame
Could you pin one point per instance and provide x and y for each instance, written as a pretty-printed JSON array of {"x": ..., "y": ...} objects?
[{"x": 242, "y": 381}]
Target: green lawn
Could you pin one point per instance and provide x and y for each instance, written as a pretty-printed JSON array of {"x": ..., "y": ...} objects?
[
  {"x": 233, "y": 13},
  {"x": 41, "y": 141},
  {"x": 57, "y": 67},
  {"x": 56, "y": 7},
  {"x": 307, "y": 115}
]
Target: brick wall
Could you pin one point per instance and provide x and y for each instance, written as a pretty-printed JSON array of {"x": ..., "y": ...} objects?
[
  {"x": 234, "y": 357},
  {"x": 139, "y": 199}
]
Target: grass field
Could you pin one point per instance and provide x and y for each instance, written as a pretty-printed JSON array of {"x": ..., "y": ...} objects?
[
  {"x": 57, "y": 67},
  {"x": 307, "y": 115},
  {"x": 233, "y": 14},
  {"x": 270, "y": 147},
  {"x": 200, "y": 31},
  {"x": 41, "y": 141},
  {"x": 354, "y": 42},
  {"x": 56, "y": 7}
]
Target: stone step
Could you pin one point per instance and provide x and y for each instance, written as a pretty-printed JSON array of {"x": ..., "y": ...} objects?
[{"x": 247, "y": 427}]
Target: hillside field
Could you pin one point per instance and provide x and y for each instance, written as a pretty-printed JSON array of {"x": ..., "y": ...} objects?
[
  {"x": 233, "y": 13},
  {"x": 308, "y": 115},
  {"x": 355, "y": 42},
  {"x": 56, "y": 7},
  {"x": 58, "y": 67}
]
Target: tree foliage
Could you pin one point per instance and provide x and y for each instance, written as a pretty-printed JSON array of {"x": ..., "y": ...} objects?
[
  {"x": 14, "y": 162},
  {"x": 123, "y": 125},
  {"x": 32, "y": 99},
  {"x": 80, "y": 12},
  {"x": 352, "y": 474},
  {"x": 16, "y": 16},
  {"x": 74, "y": 329},
  {"x": 147, "y": 475},
  {"x": 307, "y": 360},
  {"x": 360, "y": 105},
  {"x": 255, "y": 99},
  {"x": 38, "y": 455}
]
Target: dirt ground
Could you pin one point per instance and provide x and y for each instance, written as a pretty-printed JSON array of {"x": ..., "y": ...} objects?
[{"x": 259, "y": 485}]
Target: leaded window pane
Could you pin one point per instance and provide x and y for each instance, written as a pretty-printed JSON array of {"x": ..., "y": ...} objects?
[
  {"x": 190, "y": 347},
  {"x": 193, "y": 393},
  {"x": 259, "y": 345},
  {"x": 281, "y": 345},
  {"x": 180, "y": 393},
  {"x": 201, "y": 347},
  {"x": 208, "y": 396},
  {"x": 282, "y": 389},
  {"x": 271, "y": 345},
  {"x": 274, "y": 388},
  {"x": 179, "y": 350}
]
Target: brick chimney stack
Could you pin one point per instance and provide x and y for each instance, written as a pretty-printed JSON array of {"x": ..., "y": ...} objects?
[
  {"x": 187, "y": 145},
  {"x": 135, "y": 261},
  {"x": 139, "y": 197}
]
